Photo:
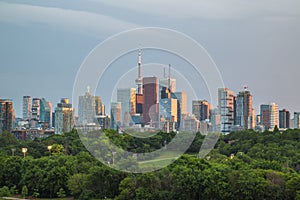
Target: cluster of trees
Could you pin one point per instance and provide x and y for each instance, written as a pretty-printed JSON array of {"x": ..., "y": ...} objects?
[{"x": 243, "y": 165}]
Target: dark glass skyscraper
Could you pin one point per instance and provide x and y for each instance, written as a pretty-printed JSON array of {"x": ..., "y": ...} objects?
[
  {"x": 46, "y": 112},
  {"x": 150, "y": 107},
  {"x": 284, "y": 119}
]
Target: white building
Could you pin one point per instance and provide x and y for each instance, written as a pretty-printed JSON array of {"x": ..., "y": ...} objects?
[
  {"x": 89, "y": 107},
  {"x": 190, "y": 124}
]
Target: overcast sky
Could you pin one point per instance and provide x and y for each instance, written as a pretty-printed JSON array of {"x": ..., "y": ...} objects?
[{"x": 254, "y": 43}]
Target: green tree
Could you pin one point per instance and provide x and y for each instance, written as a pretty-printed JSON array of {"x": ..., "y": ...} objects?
[
  {"x": 4, "y": 192},
  {"x": 77, "y": 184},
  {"x": 293, "y": 186},
  {"x": 57, "y": 148},
  {"x": 276, "y": 129},
  {"x": 61, "y": 193},
  {"x": 275, "y": 185},
  {"x": 11, "y": 173},
  {"x": 8, "y": 139},
  {"x": 247, "y": 184},
  {"x": 24, "y": 191},
  {"x": 13, "y": 190},
  {"x": 35, "y": 193},
  {"x": 104, "y": 181}
]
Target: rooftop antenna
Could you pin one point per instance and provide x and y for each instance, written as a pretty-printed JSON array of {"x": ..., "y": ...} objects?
[
  {"x": 164, "y": 72},
  {"x": 88, "y": 89}
]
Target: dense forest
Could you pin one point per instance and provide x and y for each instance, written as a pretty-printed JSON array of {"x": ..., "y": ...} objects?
[{"x": 243, "y": 165}]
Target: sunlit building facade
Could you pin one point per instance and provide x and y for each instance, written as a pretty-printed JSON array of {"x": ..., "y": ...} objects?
[
  {"x": 201, "y": 109},
  {"x": 269, "y": 116},
  {"x": 99, "y": 106},
  {"x": 168, "y": 110},
  {"x": 181, "y": 106},
  {"x": 64, "y": 117},
  {"x": 7, "y": 115}
]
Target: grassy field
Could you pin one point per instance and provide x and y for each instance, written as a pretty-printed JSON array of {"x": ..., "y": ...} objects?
[{"x": 165, "y": 158}]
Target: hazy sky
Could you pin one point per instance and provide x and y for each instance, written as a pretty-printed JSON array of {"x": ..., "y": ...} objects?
[{"x": 256, "y": 43}]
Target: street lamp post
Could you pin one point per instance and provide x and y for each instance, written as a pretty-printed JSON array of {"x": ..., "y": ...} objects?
[
  {"x": 24, "y": 151},
  {"x": 49, "y": 149},
  {"x": 113, "y": 157}
]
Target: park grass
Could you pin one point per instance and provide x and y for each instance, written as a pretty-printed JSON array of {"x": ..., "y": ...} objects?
[{"x": 164, "y": 159}]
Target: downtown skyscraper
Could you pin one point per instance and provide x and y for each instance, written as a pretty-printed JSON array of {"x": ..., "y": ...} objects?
[
  {"x": 150, "y": 107},
  {"x": 64, "y": 117},
  {"x": 269, "y": 115},
  {"x": 297, "y": 120},
  {"x": 127, "y": 98},
  {"x": 26, "y": 107},
  {"x": 284, "y": 119},
  {"x": 45, "y": 113},
  {"x": 115, "y": 115},
  {"x": 89, "y": 107},
  {"x": 201, "y": 109},
  {"x": 243, "y": 110},
  {"x": 7, "y": 115},
  {"x": 226, "y": 108}
]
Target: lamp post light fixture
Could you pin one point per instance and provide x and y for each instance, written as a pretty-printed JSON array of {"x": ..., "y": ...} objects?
[
  {"x": 49, "y": 148},
  {"x": 24, "y": 151},
  {"x": 13, "y": 151}
]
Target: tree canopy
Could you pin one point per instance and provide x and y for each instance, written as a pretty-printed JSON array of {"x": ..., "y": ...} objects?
[{"x": 243, "y": 165}]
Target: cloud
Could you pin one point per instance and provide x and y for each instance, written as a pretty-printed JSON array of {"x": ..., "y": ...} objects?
[
  {"x": 78, "y": 21},
  {"x": 210, "y": 9}
]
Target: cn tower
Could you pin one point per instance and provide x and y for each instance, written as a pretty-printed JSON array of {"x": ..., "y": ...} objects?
[{"x": 139, "y": 80}]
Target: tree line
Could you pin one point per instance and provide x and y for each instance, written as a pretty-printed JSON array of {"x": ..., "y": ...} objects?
[{"x": 243, "y": 165}]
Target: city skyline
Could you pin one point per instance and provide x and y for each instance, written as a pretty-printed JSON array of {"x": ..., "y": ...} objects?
[
  {"x": 166, "y": 111},
  {"x": 19, "y": 113},
  {"x": 253, "y": 43}
]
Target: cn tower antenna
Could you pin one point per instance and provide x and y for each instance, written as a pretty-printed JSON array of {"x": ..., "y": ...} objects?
[
  {"x": 169, "y": 70},
  {"x": 169, "y": 81}
]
